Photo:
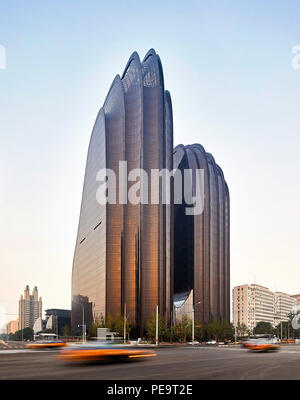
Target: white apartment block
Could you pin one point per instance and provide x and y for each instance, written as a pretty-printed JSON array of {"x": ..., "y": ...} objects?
[
  {"x": 284, "y": 305},
  {"x": 254, "y": 303}
]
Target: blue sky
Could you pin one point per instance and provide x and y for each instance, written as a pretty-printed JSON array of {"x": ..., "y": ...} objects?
[{"x": 228, "y": 67}]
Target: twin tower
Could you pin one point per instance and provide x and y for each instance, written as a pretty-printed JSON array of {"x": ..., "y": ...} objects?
[{"x": 136, "y": 255}]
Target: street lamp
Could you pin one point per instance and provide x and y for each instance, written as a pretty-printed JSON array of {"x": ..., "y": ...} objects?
[
  {"x": 156, "y": 327},
  {"x": 125, "y": 321}
]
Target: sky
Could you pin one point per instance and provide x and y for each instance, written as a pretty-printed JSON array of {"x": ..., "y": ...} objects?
[{"x": 228, "y": 67}]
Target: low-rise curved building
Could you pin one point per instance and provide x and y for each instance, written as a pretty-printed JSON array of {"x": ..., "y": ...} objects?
[{"x": 201, "y": 255}]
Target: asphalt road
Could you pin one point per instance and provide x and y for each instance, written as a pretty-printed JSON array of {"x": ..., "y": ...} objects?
[{"x": 171, "y": 363}]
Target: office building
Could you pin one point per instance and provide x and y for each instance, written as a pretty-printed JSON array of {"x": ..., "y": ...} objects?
[
  {"x": 201, "y": 242},
  {"x": 130, "y": 256},
  {"x": 57, "y": 320},
  {"x": 123, "y": 254}
]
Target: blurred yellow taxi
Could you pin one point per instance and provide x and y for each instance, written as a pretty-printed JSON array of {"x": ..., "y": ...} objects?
[
  {"x": 85, "y": 352},
  {"x": 46, "y": 345},
  {"x": 263, "y": 343}
]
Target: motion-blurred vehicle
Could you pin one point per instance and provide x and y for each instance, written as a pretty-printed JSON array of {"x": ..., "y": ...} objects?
[
  {"x": 46, "y": 341},
  {"x": 89, "y": 352},
  {"x": 262, "y": 343},
  {"x": 211, "y": 342},
  {"x": 46, "y": 345}
]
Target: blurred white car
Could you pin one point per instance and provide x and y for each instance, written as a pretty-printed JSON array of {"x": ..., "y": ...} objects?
[{"x": 211, "y": 342}]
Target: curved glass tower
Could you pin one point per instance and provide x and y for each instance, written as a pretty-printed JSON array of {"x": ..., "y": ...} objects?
[
  {"x": 201, "y": 256},
  {"x": 123, "y": 254}
]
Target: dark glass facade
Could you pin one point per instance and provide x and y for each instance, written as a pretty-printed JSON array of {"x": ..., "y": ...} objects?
[
  {"x": 201, "y": 255},
  {"x": 62, "y": 318},
  {"x": 124, "y": 252}
]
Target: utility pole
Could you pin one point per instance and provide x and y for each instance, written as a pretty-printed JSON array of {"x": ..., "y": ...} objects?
[
  {"x": 156, "y": 327},
  {"x": 125, "y": 320}
]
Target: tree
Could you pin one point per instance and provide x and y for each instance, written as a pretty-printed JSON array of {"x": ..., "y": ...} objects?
[
  {"x": 185, "y": 327},
  {"x": 286, "y": 327},
  {"x": 97, "y": 323},
  {"x": 66, "y": 331},
  {"x": 151, "y": 327},
  {"x": 214, "y": 329},
  {"x": 27, "y": 334},
  {"x": 227, "y": 330},
  {"x": 242, "y": 330},
  {"x": 263, "y": 327},
  {"x": 117, "y": 325},
  {"x": 200, "y": 331}
]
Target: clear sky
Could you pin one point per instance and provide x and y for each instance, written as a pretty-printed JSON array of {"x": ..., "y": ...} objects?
[{"x": 228, "y": 67}]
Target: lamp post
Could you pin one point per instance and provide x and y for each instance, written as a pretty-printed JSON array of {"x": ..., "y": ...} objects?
[
  {"x": 193, "y": 325},
  {"x": 156, "y": 327},
  {"x": 125, "y": 323},
  {"x": 83, "y": 324}
]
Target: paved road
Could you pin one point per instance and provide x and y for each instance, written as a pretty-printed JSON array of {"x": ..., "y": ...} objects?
[{"x": 170, "y": 363}]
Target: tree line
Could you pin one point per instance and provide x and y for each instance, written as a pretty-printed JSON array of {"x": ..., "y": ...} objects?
[{"x": 181, "y": 331}]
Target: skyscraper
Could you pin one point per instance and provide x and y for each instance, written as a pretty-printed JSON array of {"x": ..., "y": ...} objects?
[
  {"x": 201, "y": 254},
  {"x": 123, "y": 253},
  {"x": 30, "y": 308},
  {"x": 129, "y": 256}
]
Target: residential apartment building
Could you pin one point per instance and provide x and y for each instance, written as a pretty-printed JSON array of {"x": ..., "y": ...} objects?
[
  {"x": 284, "y": 305},
  {"x": 12, "y": 326},
  {"x": 30, "y": 308},
  {"x": 255, "y": 303},
  {"x": 297, "y": 297}
]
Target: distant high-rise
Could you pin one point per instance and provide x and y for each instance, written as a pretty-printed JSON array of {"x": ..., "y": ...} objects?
[
  {"x": 30, "y": 308},
  {"x": 201, "y": 242},
  {"x": 12, "y": 326}
]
